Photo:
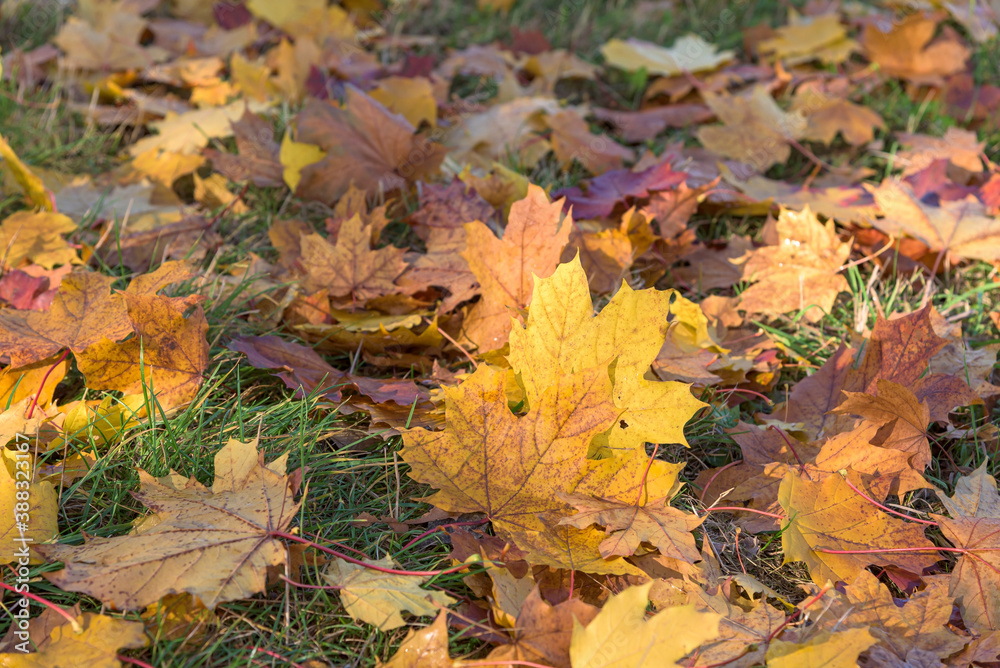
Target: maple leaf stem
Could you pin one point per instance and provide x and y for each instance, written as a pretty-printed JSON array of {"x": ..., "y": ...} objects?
[
  {"x": 455, "y": 343},
  {"x": 788, "y": 442},
  {"x": 277, "y": 656},
  {"x": 792, "y": 617},
  {"x": 441, "y": 527},
  {"x": 708, "y": 485},
  {"x": 813, "y": 158},
  {"x": 885, "y": 508},
  {"x": 143, "y": 664},
  {"x": 899, "y": 549},
  {"x": 358, "y": 562},
  {"x": 509, "y": 662},
  {"x": 750, "y": 392},
  {"x": 340, "y": 545},
  {"x": 48, "y": 604},
  {"x": 734, "y": 509},
  {"x": 930, "y": 279},
  {"x": 41, "y": 386},
  {"x": 645, "y": 474}
]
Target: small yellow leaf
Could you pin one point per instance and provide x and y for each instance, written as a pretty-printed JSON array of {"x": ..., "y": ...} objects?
[
  {"x": 378, "y": 598},
  {"x": 33, "y": 187},
  {"x": 296, "y": 156},
  {"x": 689, "y": 53}
]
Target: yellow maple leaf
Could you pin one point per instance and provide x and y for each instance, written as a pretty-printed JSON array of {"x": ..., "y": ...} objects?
[
  {"x": 622, "y": 637},
  {"x": 822, "y": 38},
  {"x": 426, "y": 648},
  {"x": 94, "y": 642},
  {"x": 511, "y": 467},
  {"x": 689, "y": 53},
  {"x": 413, "y": 97},
  {"x": 829, "y": 515},
  {"x": 189, "y": 132},
  {"x": 562, "y": 335},
  {"x": 214, "y": 543},
  {"x": 39, "y": 512},
  {"x": 831, "y": 650}
]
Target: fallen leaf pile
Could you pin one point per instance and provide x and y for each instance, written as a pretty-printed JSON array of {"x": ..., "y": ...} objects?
[{"x": 525, "y": 285}]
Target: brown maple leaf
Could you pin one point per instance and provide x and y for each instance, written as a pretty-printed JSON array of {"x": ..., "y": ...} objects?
[
  {"x": 975, "y": 523},
  {"x": 812, "y": 398},
  {"x": 214, "y": 543},
  {"x": 828, "y": 114},
  {"x": 960, "y": 148},
  {"x": 639, "y": 126},
  {"x": 305, "y": 371},
  {"x": 108, "y": 39},
  {"x": 82, "y": 313},
  {"x": 365, "y": 144},
  {"x": 531, "y": 245},
  {"x": 573, "y": 140},
  {"x": 609, "y": 190},
  {"x": 755, "y": 130},
  {"x": 351, "y": 268},
  {"x": 904, "y": 417},
  {"x": 168, "y": 352},
  {"x": 745, "y": 627},
  {"x": 898, "y": 350},
  {"x": 542, "y": 632},
  {"x": 921, "y": 623},
  {"x": 449, "y": 207},
  {"x": 629, "y": 525},
  {"x": 605, "y": 252},
  {"x": 768, "y": 457},
  {"x": 440, "y": 222},
  {"x": 258, "y": 160}
]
